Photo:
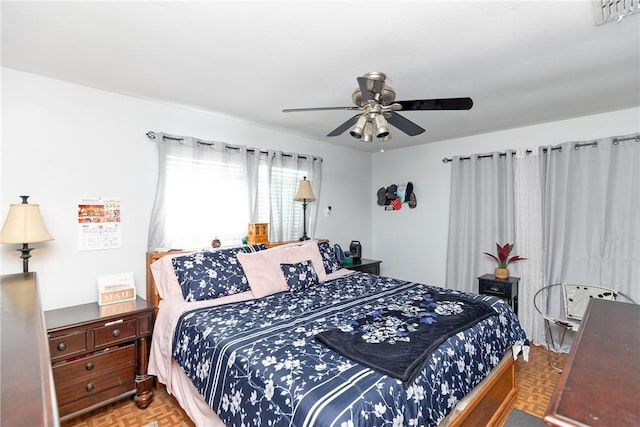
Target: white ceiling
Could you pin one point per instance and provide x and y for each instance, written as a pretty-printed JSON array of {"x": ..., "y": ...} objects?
[{"x": 522, "y": 62}]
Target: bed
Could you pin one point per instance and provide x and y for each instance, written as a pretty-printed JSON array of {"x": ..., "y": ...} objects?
[{"x": 260, "y": 349}]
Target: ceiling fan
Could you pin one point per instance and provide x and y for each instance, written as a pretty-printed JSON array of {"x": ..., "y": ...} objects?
[{"x": 378, "y": 109}]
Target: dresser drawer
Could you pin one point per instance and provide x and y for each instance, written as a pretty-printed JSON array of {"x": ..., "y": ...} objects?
[
  {"x": 90, "y": 384},
  {"x": 95, "y": 399},
  {"x": 115, "y": 332},
  {"x": 94, "y": 365},
  {"x": 369, "y": 268},
  {"x": 67, "y": 345},
  {"x": 496, "y": 289}
]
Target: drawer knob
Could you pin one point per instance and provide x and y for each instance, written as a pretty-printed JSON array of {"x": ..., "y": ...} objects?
[
  {"x": 61, "y": 346},
  {"x": 88, "y": 366},
  {"x": 116, "y": 333},
  {"x": 89, "y": 387}
]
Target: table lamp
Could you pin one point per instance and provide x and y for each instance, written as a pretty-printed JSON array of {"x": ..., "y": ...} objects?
[
  {"x": 24, "y": 225},
  {"x": 304, "y": 195}
]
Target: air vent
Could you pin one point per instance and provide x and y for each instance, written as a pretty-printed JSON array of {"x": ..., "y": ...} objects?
[{"x": 614, "y": 10}]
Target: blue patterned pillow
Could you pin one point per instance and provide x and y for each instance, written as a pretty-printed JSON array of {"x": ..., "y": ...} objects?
[
  {"x": 300, "y": 276},
  {"x": 212, "y": 274},
  {"x": 329, "y": 259}
]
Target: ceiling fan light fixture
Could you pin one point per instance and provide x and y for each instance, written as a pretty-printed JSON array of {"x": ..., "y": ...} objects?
[
  {"x": 382, "y": 128},
  {"x": 378, "y": 109},
  {"x": 359, "y": 129},
  {"x": 367, "y": 136}
]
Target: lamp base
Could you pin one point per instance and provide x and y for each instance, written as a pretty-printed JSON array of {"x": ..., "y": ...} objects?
[
  {"x": 26, "y": 254},
  {"x": 304, "y": 222}
]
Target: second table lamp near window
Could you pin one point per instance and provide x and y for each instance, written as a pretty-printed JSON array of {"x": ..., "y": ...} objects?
[{"x": 304, "y": 195}]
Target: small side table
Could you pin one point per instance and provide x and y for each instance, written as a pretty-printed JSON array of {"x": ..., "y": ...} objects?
[
  {"x": 99, "y": 354},
  {"x": 507, "y": 289},
  {"x": 365, "y": 265}
]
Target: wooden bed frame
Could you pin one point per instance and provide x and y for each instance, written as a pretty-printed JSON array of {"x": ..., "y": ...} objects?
[{"x": 489, "y": 404}]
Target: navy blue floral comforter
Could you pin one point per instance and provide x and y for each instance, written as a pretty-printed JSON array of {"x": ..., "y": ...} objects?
[{"x": 257, "y": 362}]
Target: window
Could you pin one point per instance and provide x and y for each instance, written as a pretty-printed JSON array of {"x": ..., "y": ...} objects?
[
  {"x": 204, "y": 199},
  {"x": 213, "y": 190}
]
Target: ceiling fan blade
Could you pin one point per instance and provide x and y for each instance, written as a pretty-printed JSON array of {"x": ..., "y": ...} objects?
[
  {"x": 437, "y": 104},
  {"x": 362, "y": 83},
  {"x": 295, "y": 110},
  {"x": 405, "y": 125},
  {"x": 346, "y": 125}
]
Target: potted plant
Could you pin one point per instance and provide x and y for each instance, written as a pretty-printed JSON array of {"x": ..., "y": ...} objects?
[{"x": 502, "y": 258}]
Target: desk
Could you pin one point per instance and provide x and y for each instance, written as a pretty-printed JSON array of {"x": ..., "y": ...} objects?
[{"x": 600, "y": 383}]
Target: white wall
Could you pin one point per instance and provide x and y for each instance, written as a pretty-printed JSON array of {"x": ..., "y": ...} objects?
[
  {"x": 62, "y": 142},
  {"x": 413, "y": 242}
]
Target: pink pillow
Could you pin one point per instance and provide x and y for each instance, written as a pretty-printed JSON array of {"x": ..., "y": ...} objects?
[
  {"x": 165, "y": 276},
  {"x": 263, "y": 271},
  {"x": 303, "y": 252}
]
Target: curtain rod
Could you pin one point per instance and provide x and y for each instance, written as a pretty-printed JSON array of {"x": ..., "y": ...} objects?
[
  {"x": 594, "y": 144},
  {"x": 152, "y": 135}
]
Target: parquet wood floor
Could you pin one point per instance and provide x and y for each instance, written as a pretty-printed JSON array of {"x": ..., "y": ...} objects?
[{"x": 535, "y": 381}]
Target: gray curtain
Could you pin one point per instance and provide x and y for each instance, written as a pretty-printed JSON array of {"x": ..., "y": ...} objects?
[
  {"x": 191, "y": 205},
  {"x": 253, "y": 180},
  {"x": 284, "y": 173},
  {"x": 481, "y": 215},
  {"x": 528, "y": 223},
  {"x": 591, "y": 215},
  {"x": 576, "y": 210}
]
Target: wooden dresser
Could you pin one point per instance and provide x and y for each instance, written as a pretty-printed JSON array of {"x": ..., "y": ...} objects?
[
  {"x": 600, "y": 382},
  {"x": 28, "y": 397},
  {"x": 99, "y": 354}
]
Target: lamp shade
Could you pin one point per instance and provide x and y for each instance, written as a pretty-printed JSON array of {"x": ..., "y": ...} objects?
[
  {"x": 24, "y": 225},
  {"x": 304, "y": 193}
]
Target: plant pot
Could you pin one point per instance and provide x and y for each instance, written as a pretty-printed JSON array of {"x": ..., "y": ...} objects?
[{"x": 501, "y": 273}]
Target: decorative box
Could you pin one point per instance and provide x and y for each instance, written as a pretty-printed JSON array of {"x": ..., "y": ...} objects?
[{"x": 258, "y": 233}]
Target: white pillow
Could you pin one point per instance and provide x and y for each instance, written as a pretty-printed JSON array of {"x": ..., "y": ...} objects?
[{"x": 263, "y": 271}]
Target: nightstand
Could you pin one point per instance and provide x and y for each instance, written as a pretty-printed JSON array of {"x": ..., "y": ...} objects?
[
  {"x": 365, "y": 265},
  {"x": 99, "y": 354},
  {"x": 507, "y": 289}
]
